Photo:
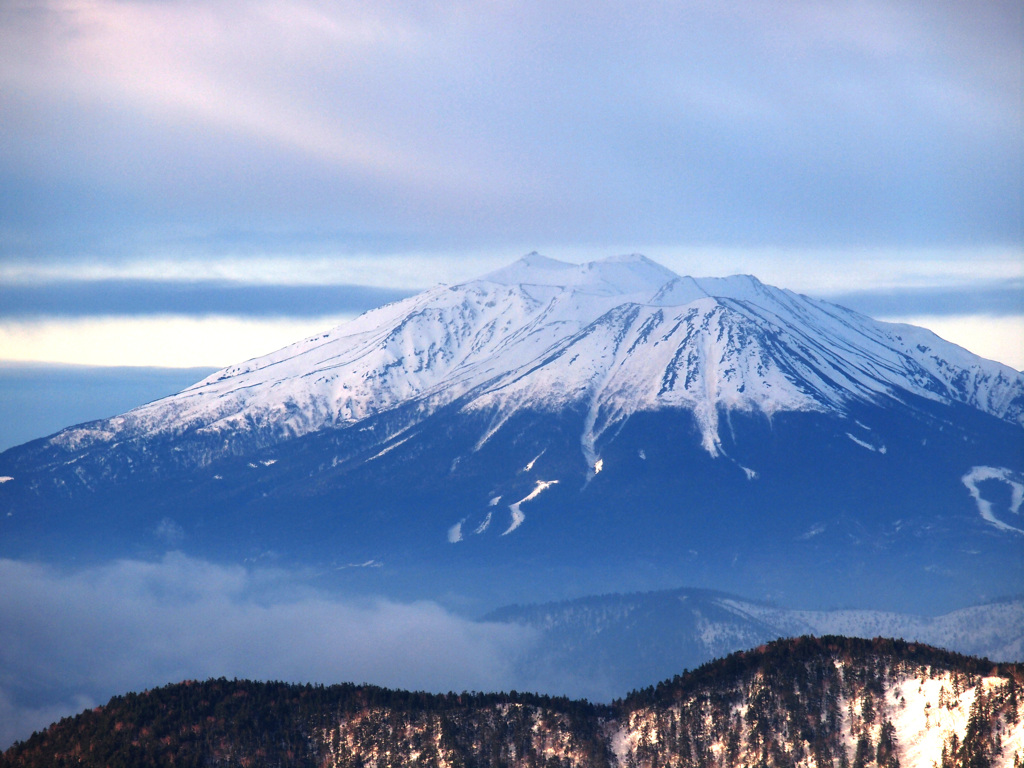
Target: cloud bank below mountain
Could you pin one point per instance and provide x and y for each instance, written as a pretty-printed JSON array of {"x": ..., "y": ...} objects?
[{"x": 72, "y": 639}]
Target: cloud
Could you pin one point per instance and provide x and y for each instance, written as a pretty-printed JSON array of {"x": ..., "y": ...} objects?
[
  {"x": 175, "y": 341},
  {"x": 71, "y": 639},
  {"x": 113, "y": 297},
  {"x": 1002, "y": 299},
  {"x": 230, "y": 309},
  {"x": 140, "y": 127},
  {"x": 882, "y": 281}
]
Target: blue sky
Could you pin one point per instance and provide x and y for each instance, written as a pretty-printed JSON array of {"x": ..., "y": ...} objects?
[{"x": 191, "y": 184}]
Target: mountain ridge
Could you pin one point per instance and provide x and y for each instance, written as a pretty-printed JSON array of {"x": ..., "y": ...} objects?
[
  {"x": 597, "y": 645},
  {"x": 808, "y": 701}
]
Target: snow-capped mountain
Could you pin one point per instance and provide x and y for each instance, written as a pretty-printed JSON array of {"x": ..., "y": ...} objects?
[
  {"x": 711, "y": 431},
  {"x": 615, "y": 337}
]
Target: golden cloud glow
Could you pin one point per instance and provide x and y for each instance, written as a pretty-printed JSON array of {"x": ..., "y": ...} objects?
[
  {"x": 184, "y": 342},
  {"x": 173, "y": 341}
]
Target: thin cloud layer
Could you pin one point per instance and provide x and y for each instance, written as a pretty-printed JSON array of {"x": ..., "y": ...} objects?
[
  {"x": 983, "y": 298},
  {"x": 84, "y": 298},
  {"x": 74, "y": 639},
  {"x": 127, "y": 297},
  {"x": 142, "y": 127},
  {"x": 216, "y": 312}
]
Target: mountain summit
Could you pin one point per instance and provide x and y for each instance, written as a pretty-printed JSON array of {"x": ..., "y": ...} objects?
[{"x": 549, "y": 413}]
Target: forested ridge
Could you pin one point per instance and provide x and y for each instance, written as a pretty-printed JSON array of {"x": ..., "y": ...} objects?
[
  {"x": 828, "y": 701},
  {"x": 241, "y": 722}
]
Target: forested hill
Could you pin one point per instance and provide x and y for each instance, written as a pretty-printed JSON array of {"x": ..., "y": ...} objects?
[
  {"x": 238, "y": 722},
  {"x": 811, "y": 702}
]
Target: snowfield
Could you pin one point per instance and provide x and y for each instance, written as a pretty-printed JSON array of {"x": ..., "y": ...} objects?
[
  {"x": 517, "y": 515},
  {"x": 981, "y": 474}
]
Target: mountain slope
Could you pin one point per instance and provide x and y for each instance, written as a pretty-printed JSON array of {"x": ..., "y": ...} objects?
[
  {"x": 832, "y": 701},
  {"x": 612, "y": 423}
]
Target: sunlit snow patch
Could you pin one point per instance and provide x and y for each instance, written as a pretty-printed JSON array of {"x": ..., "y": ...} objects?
[
  {"x": 483, "y": 526},
  {"x": 517, "y": 518},
  {"x": 529, "y": 466},
  {"x": 864, "y": 444},
  {"x": 455, "y": 532},
  {"x": 980, "y": 474},
  {"x": 517, "y": 515},
  {"x": 389, "y": 448},
  {"x": 923, "y": 725}
]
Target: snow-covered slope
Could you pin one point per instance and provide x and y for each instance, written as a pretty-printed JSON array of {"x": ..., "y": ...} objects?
[
  {"x": 889, "y": 707},
  {"x": 616, "y": 337}
]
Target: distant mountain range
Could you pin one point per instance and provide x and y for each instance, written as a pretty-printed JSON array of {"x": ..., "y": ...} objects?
[
  {"x": 552, "y": 430},
  {"x": 810, "y": 702},
  {"x": 599, "y": 646}
]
